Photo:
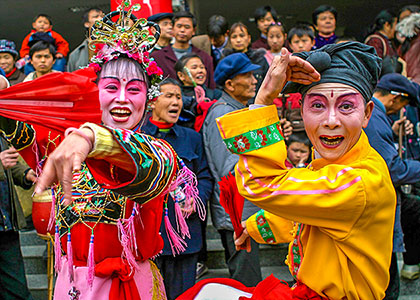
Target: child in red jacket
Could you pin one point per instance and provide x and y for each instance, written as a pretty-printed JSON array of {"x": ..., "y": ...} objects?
[{"x": 42, "y": 30}]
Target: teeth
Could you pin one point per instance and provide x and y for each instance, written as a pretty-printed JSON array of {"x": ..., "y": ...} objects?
[
  {"x": 120, "y": 111},
  {"x": 332, "y": 141}
]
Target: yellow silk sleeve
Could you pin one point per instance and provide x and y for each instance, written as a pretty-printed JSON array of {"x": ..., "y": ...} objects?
[{"x": 266, "y": 228}]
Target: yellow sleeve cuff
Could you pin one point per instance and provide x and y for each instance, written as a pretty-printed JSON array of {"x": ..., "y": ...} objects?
[
  {"x": 105, "y": 145},
  {"x": 245, "y": 120}
]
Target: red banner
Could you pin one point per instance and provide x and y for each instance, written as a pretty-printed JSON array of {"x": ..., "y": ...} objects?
[{"x": 148, "y": 7}]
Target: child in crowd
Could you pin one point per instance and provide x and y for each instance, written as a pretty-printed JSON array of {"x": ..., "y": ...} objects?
[
  {"x": 42, "y": 30},
  {"x": 325, "y": 21},
  {"x": 301, "y": 38},
  {"x": 276, "y": 36},
  {"x": 263, "y": 16},
  {"x": 298, "y": 150}
]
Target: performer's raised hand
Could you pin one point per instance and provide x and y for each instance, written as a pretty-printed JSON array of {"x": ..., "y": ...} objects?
[
  {"x": 64, "y": 160},
  {"x": 244, "y": 241},
  {"x": 285, "y": 67}
]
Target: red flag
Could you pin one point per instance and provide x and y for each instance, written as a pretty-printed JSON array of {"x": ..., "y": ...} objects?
[{"x": 232, "y": 202}]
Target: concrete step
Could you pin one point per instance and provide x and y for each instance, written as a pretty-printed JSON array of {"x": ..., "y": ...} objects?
[
  {"x": 38, "y": 286},
  {"x": 30, "y": 238},
  {"x": 270, "y": 255},
  {"x": 33, "y": 259}
]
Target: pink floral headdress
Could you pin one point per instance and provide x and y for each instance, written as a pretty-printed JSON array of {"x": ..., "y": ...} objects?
[{"x": 109, "y": 40}]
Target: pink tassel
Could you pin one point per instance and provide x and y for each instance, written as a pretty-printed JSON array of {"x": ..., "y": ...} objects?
[
  {"x": 191, "y": 191},
  {"x": 52, "y": 212},
  {"x": 70, "y": 256},
  {"x": 182, "y": 226},
  {"x": 126, "y": 241},
  {"x": 177, "y": 243},
  {"x": 57, "y": 250},
  {"x": 91, "y": 261}
]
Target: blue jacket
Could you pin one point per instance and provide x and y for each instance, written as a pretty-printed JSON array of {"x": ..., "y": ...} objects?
[
  {"x": 189, "y": 146},
  {"x": 380, "y": 134}
]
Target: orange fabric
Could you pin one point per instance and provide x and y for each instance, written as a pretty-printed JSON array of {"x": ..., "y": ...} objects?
[{"x": 123, "y": 286}]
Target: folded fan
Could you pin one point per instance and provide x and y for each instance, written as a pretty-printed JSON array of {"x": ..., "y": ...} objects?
[
  {"x": 56, "y": 100},
  {"x": 232, "y": 201}
]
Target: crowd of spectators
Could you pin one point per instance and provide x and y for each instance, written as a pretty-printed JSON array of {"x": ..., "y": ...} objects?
[{"x": 212, "y": 74}]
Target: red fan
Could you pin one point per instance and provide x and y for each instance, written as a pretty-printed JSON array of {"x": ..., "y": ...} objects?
[
  {"x": 56, "y": 100},
  {"x": 232, "y": 201}
]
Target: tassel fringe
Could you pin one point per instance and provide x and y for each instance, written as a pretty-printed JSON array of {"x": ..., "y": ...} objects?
[
  {"x": 181, "y": 224},
  {"x": 177, "y": 243},
  {"x": 57, "y": 250},
  {"x": 70, "y": 256},
  {"x": 91, "y": 261}
]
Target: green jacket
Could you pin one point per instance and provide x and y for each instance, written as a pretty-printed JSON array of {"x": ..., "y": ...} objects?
[{"x": 15, "y": 175}]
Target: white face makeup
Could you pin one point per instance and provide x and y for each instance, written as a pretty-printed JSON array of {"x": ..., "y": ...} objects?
[
  {"x": 122, "y": 100},
  {"x": 334, "y": 115}
]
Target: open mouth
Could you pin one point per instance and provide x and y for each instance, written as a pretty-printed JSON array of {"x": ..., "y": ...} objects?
[
  {"x": 173, "y": 112},
  {"x": 331, "y": 141},
  {"x": 120, "y": 114},
  {"x": 199, "y": 77}
]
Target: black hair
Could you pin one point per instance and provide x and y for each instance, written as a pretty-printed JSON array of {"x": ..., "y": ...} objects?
[
  {"x": 299, "y": 137},
  {"x": 278, "y": 24},
  {"x": 411, "y": 8},
  {"x": 323, "y": 8},
  {"x": 169, "y": 80},
  {"x": 384, "y": 16},
  {"x": 300, "y": 31},
  {"x": 42, "y": 45},
  {"x": 184, "y": 14},
  {"x": 238, "y": 25},
  {"x": 85, "y": 17},
  {"x": 261, "y": 11},
  {"x": 217, "y": 26},
  {"x": 180, "y": 64},
  {"x": 45, "y": 16}
]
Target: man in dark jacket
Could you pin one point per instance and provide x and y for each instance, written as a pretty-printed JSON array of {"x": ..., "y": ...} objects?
[
  {"x": 12, "y": 273},
  {"x": 184, "y": 29},
  {"x": 179, "y": 269},
  {"x": 392, "y": 93}
]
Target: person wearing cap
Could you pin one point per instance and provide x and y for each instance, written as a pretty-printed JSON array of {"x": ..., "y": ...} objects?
[
  {"x": 79, "y": 57},
  {"x": 8, "y": 58},
  {"x": 164, "y": 20},
  {"x": 392, "y": 93},
  {"x": 343, "y": 203}
]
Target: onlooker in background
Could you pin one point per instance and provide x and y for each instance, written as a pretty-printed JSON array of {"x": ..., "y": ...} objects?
[
  {"x": 179, "y": 271},
  {"x": 240, "y": 40},
  {"x": 276, "y": 37},
  {"x": 409, "y": 29},
  {"x": 382, "y": 32},
  {"x": 42, "y": 30},
  {"x": 191, "y": 71},
  {"x": 301, "y": 38},
  {"x": 325, "y": 21},
  {"x": 164, "y": 20},
  {"x": 380, "y": 37},
  {"x": 216, "y": 39},
  {"x": 184, "y": 29},
  {"x": 298, "y": 150},
  {"x": 263, "y": 17},
  {"x": 8, "y": 58},
  {"x": 235, "y": 74},
  {"x": 407, "y": 10},
  {"x": 42, "y": 56},
  {"x": 392, "y": 93},
  {"x": 79, "y": 57},
  {"x": 12, "y": 271}
]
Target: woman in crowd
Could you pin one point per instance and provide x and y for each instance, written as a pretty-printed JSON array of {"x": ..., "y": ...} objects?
[
  {"x": 191, "y": 72},
  {"x": 240, "y": 40}
]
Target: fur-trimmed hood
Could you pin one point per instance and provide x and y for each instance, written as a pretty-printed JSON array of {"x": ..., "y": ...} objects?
[{"x": 410, "y": 26}]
